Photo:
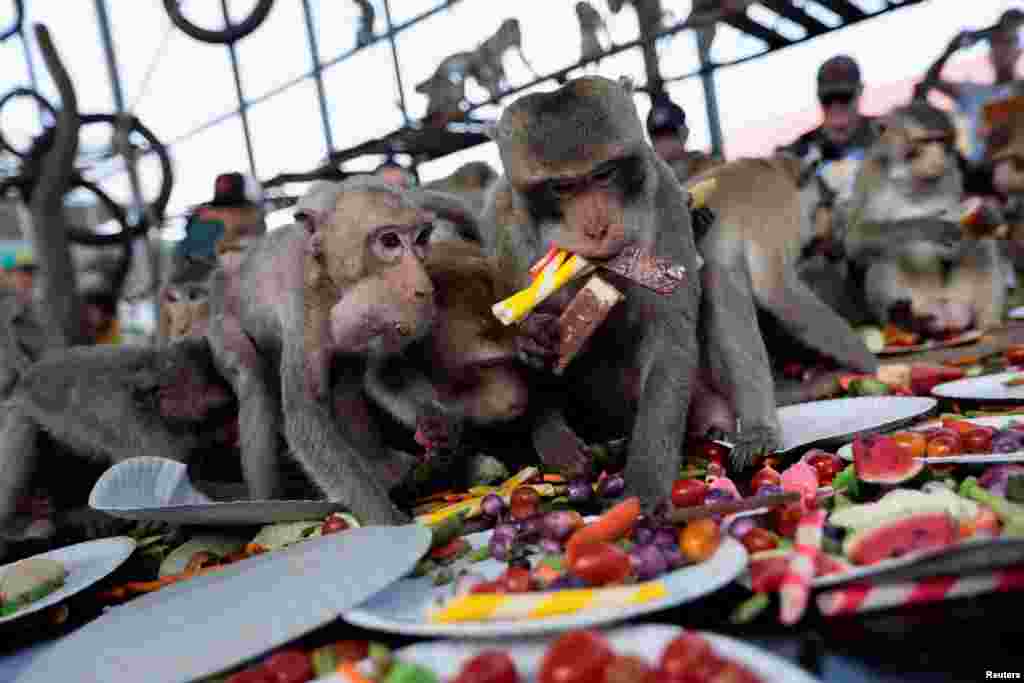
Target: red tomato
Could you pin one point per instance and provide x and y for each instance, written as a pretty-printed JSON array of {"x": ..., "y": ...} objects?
[
  {"x": 333, "y": 524},
  {"x": 978, "y": 440},
  {"x": 290, "y": 666},
  {"x": 826, "y": 466},
  {"x": 257, "y": 675},
  {"x": 765, "y": 475},
  {"x": 488, "y": 587},
  {"x": 576, "y": 657},
  {"x": 961, "y": 427},
  {"x": 1015, "y": 355},
  {"x": 757, "y": 540},
  {"x": 523, "y": 502},
  {"x": 516, "y": 580},
  {"x": 688, "y": 492},
  {"x": 626, "y": 669},
  {"x": 942, "y": 445},
  {"x": 490, "y": 666},
  {"x": 684, "y": 653},
  {"x": 601, "y": 563}
]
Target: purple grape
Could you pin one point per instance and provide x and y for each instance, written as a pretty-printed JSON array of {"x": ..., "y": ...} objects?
[
  {"x": 505, "y": 531},
  {"x": 530, "y": 528},
  {"x": 643, "y": 535},
  {"x": 648, "y": 562},
  {"x": 559, "y": 525},
  {"x": 500, "y": 547},
  {"x": 666, "y": 536},
  {"x": 674, "y": 557},
  {"x": 1008, "y": 442},
  {"x": 580, "y": 491},
  {"x": 550, "y": 546},
  {"x": 567, "y": 581},
  {"x": 741, "y": 526},
  {"x": 717, "y": 496},
  {"x": 493, "y": 505},
  {"x": 611, "y": 487}
]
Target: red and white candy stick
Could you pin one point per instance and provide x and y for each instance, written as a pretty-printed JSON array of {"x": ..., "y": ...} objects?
[
  {"x": 865, "y": 597},
  {"x": 796, "y": 584}
]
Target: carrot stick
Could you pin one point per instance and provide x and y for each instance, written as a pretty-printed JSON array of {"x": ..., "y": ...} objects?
[
  {"x": 609, "y": 527},
  {"x": 554, "y": 478}
]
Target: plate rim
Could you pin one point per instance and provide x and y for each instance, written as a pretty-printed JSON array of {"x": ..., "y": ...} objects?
[
  {"x": 888, "y": 424},
  {"x": 959, "y": 340},
  {"x": 967, "y": 380}
]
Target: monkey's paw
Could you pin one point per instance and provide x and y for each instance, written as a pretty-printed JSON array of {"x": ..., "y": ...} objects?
[
  {"x": 752, "y": 442},
  {"x": 437, "y": 432},
  {"x": 537, "y": 342}
]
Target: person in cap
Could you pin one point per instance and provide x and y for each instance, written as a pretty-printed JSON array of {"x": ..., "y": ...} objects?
[
  {"x": 970, "y": 97},
  {"x": 236, "y": 209},
  {"x": 836, "y": 147},
  {"x": 394, "y": 173},
  {"x": 666, "y": 125}
]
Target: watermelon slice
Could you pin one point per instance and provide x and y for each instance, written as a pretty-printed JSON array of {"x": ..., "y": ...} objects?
[
  {"x": 925, "y": 531},
  {"x": 768, "y": 567},
  {"x": 879, "y": 459},
  {"x": 924, "y": 378}
]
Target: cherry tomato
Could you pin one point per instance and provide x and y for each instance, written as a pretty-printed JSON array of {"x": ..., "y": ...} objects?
[
  {"x": 523, "y": 502},
  {"x": 688, "y": 492},
  {"x": 943, "y": 444},
  {"x": 488, "y": 587},
  {"x": 289, "y": 666},
  {"x": 787, "y": 518},
  {"x": 758, "y": 539},
  {"x": 256, "y": 675},
  {"x": 333, "y": 524},
  {"x": 576, "y": 657},
  {"x": 684, "y": 653},
  {"x": 490, "y": 666},
  {"x": 706, "y": 449},
  {"x": 699, "y": 539},
  {"x": 766, "y": 475},
  {"x": 1015, "y": 354},
  {"x": 600, "y": 564},
  {"x": 516, "y": 580},
  {"x": 978, "y": 440},
  {"x": 914, "y": 442},
  {"x": 826, "y": 466},
  {"x": 626, "y": 669},
  {"x": 961, "y": 427}
]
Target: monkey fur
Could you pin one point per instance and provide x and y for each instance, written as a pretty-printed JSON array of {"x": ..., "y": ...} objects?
[
  {"x": 185, "y": 302},
  {"x": 469, "y": 181},
  {"x": 580, "y": 175},
  {"x": 901, "y": 229},
  {"x": 311, "y": 303}
]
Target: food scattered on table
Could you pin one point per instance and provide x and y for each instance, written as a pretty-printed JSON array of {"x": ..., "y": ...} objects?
[{"x": 29, "y": 580}]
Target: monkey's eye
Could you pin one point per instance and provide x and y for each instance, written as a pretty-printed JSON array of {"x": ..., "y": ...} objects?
[
  {"x": 1018, "y": 164},
  {"x": 563, "y": 188},
  {"x": 195, "y": 295},
  {"x": 605, "y": 176},
  {"x": 390, "y": 240}
]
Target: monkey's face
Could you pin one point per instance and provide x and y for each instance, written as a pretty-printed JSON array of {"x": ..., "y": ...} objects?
[
  {"x": 1008, "y": 176},
  {"x": 185, "y": 311},
  {"x": 374, "y": 251},
  {"x": 928, "y": 153}
]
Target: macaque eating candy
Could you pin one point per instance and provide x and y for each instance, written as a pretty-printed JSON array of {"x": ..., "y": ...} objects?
[
  {"x": 903, "y": 231},
  {"x": 311, "y": 304},
  {"x": 580, "y": 176}
]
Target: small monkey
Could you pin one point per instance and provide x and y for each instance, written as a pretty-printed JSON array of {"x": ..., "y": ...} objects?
[
  {"x": 185, "y": 302},
  {"x": 591, "y": 23}
]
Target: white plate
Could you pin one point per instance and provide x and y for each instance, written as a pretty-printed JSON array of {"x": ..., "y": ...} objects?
[
  {"x": 86, "y": 563},
  {"x": 995, "y": 421},
  {"x": 149, "y": 488},
  {"x": 403, "y": 607},
  {"x": 210, "y": 623},
  {"x": 446, "y": 658},
  {"x": 984, "y": 388},
  {"x": 842, "y": 419},
  {"x": 959, "y": 340}
]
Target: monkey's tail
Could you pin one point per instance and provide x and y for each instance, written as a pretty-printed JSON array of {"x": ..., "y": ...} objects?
[{"x": 810, "y": 320}]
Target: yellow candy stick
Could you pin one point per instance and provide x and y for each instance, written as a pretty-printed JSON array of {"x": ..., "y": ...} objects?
[
  {"x": 472, "y": 506},
  {"x": 701, "y": 192},
  {"x": 554, "y": 276}
]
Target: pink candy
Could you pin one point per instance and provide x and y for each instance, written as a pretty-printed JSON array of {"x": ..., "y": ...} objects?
[
  {"x": 726, "y": 485},
  {"x": 803, "y": 479}
]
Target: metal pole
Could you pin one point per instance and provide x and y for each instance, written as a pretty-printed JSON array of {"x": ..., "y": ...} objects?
[
  {"x": 321, "y": 96},
  {"x": 707, "y": 77},
  {"x": 242, "y": 105},
  {"x": 394, "y": 58}
]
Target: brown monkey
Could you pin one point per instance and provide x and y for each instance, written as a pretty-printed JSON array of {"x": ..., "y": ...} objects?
[
  {"x": 901, "y": 229},
  {"x": 579, "y": 175},
  {"x": 311, "y": 303},
  {"x": 185, "y": 302}
]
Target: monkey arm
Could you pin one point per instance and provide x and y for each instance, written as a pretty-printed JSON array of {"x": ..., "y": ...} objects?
[{"x": 400, "y": 390}]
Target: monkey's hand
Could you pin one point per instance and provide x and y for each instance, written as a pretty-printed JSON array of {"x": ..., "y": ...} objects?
[
  {"x": 752, "y": 442},
  {"x": 537, "y": 341}
]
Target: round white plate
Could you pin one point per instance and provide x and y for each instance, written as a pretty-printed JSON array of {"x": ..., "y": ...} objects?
[
  {"x": 959, "y": 340},
  {"x": 212, "y": 622},
  {"x": 149, "y": 488},
  {"x": 403, "y": 607},
  {"x": 86, "y": 563},
  {"x": 842, "y": 419},
  {"x": 446, "y": 658},
  {"x": 984, "y": 388},
  {"x": 995, "y": 421}
]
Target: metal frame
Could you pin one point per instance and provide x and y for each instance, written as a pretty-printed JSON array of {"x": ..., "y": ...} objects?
[{"x": 446, "y": 142}]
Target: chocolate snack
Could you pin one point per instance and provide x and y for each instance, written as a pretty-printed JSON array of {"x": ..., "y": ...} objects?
[
  {"x": 582, "y": 317},
  {"x": 647, "y": 270}
]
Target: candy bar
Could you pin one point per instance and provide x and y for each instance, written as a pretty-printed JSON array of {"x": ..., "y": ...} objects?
[
  {"x": 647, "y": 270},
  {"x": 581, "y": 318}
]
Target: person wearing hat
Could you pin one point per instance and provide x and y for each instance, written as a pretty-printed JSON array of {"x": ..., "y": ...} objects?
[
  {"x": 970, "y": 97},
  {"x": 837, "y": 146},
  {"x": 236, "y": 209},
  {"x": 666, "y": 125}
]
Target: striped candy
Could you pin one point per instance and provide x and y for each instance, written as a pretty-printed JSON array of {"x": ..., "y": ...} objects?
[
  {"x": 865, "y": 597},
  {"x": 796, "y": 584},
  {"x": 556, "y": 272},
  {"x": 518, "y": 606}
]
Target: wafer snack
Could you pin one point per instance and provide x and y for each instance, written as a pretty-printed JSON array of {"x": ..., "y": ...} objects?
[
  {"x": 647, "y": 270},
  {"x": 520, "y": 606},
  {"x": 581, "y": 318}
]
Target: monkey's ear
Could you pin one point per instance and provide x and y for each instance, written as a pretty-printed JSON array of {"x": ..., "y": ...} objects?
[{"x": 627, "y": 84}]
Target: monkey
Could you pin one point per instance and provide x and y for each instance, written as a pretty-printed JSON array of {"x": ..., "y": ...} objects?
[
  {"x": 900, "y": 229},
  {"x": 469, "y": 181},
  {"x": 454, "y": 218},
  {"x": 185, "y": 302},
  {"x": 489, "y": 70},
  {"x": 591, "y": 22},
  {"x": 579, "y": 175},
  {"x": 367, "y": 16},
  {"x": 311, "y": 303},
  {"x": 106, "y": 404}
]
